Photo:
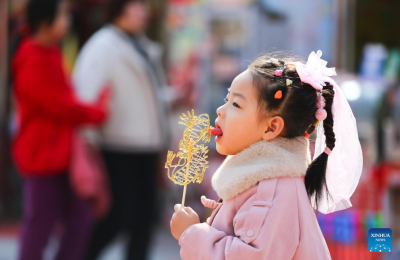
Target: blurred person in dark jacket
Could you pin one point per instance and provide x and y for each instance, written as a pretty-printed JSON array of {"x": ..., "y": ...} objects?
[
  {"x": 47, "y": 114},
  {"x": 137, "y": 132}
]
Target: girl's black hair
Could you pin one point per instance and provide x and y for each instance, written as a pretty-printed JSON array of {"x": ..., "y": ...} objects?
[{"x": 297, "y": 107}]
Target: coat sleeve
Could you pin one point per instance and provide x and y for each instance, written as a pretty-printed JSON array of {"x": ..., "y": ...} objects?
[
  {"x": 263, "y": 231},
  {"x": 91, "y": 74},
  {"x": 92, "y": 70},
  {"x": 47, "y": 90}
]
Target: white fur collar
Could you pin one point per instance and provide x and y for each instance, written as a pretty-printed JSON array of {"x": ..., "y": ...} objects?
[{"x": 281, "y": 157}]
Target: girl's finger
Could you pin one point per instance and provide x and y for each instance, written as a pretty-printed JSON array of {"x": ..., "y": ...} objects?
[
  {"x": 189, "y": 210},
  {"x": 177, "y": 207}
]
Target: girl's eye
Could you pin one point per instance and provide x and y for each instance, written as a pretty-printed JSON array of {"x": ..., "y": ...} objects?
[{"x": 234, "y": 103}]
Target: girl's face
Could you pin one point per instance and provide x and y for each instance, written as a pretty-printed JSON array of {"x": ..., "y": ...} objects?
[{"x": 238, "y": 117}]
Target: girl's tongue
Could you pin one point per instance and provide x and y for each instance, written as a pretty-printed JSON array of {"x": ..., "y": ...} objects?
[{"x": 216, "y": 131}]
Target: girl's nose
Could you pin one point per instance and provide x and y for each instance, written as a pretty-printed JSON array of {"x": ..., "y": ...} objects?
[{"x": 220, "y": 112}]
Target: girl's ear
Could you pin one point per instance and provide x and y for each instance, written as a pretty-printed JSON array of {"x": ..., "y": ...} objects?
[{"x": 273, "y": 128}]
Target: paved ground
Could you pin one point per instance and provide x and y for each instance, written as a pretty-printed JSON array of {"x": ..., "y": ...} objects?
[{"x": 164, "y": 247}]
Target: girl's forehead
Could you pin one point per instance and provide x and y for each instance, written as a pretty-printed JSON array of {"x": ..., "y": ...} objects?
[
  {"x": 243, "y": 78},
  {"x": 243, "y": 83}
]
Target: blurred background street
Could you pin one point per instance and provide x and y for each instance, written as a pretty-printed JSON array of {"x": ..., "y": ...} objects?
[
  {"x": 201, "y": 46},
  {"x": 162, "y": 247}
]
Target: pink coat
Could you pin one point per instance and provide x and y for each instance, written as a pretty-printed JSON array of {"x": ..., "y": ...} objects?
[{"x": 264, "y": 212}]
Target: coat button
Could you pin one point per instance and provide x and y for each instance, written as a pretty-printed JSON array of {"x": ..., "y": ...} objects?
[{"x": 250, "y": 233}]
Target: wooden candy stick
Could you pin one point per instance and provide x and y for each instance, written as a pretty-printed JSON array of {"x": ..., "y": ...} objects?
[{"x": 191, "y": 160}]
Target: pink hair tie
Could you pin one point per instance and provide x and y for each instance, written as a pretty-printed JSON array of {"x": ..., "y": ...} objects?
[
  {"x": 327, "y": 151},
  {"x": 321, "y": 113},
  {"x": 320, "y": 101},
  {"x": 278, "y": 73}
]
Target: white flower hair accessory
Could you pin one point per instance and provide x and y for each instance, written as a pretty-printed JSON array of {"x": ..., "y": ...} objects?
[{"x": 314, "y": 72}]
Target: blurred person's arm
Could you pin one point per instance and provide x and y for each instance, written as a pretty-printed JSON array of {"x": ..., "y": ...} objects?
[
  {"x": 90, "y": 76},
  {"x": 44, "y": 89},
  {"x": 91, "y": 73}
]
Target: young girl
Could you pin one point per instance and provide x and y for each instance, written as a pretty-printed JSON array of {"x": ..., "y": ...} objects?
[
  {"x": 265, "y": 206},
  {"x": 48, "y": 112}
]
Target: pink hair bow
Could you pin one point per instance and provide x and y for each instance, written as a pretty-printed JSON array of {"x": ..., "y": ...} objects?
[{"x": 314, "y": 72}]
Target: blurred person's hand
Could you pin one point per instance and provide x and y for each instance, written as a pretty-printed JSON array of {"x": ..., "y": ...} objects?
[
  {"x": 182, "y": 219},
  {"x": 104, "y": 98}
]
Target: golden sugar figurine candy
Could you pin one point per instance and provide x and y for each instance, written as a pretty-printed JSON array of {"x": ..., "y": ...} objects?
[{"x": 192, "y": 157}]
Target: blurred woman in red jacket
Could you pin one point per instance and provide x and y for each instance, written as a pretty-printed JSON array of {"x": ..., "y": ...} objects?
[{"x": 47, "y": 114}]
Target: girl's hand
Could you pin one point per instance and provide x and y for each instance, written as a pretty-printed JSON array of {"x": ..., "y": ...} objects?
[{"x": 182, "y": 219}]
